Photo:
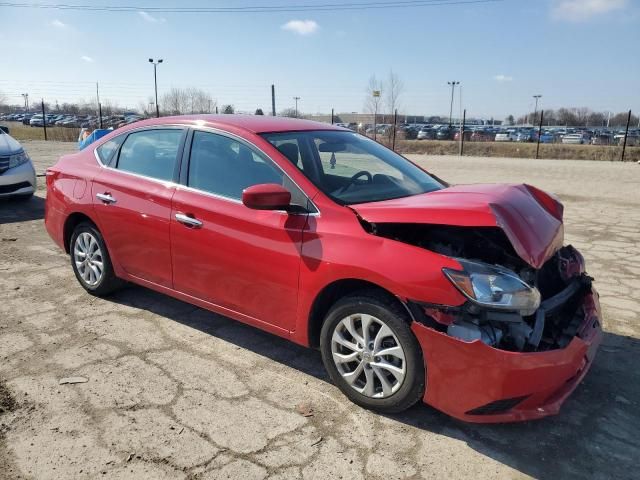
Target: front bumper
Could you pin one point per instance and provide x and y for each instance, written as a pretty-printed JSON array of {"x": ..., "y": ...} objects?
[
  {"x": 476, "y": 383},
  {"x": 20, "y": 180}
]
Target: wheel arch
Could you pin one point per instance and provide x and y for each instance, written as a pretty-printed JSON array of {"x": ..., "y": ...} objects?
[
  {"x": 71, "y": 222},
  {"x": 333, "y": 292}
]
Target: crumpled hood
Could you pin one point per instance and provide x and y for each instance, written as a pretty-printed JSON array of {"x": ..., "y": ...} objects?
[
  {"x": 530, "y": 218},
  {"x": 8, "y": 145}
]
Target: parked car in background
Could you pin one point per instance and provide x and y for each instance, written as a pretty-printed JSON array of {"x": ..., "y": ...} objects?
[
  {"x": 575, "y": 139},
  {"x": 633, "y": 139},
  {"x": 313, "y": 233},
  {"x": 602, "y": 138},
  {"x": 445, "y": 133},
  {"x": 526, "y": 136},
  {"x": 37, "y": 120},
  {"x": 508, "y": 136},
  {"x": 426, "y": 133},
  {"x": 482, "y": 136},
  {"x": 17, "y": 175}
]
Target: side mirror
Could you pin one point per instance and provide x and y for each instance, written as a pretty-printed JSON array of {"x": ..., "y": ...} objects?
[
  {"x": 4, "y": 129},
  {"x": 266, "y": 196}
]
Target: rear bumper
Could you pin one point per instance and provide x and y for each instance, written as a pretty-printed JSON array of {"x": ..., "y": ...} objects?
[
  {"x": 20, "y": 180},
  {"x": 477, "y": 383}
]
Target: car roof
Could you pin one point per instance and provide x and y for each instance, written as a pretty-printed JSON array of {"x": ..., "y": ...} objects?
[{"x": 250, "y": 123}]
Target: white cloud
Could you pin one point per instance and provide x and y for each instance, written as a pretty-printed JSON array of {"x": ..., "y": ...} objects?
[
  {"x": 87, "y": 58},
  {"x": 147, "y": 17},
  {"x": 503, "y": 78},
  {"x": 301, "y": 27},
  {"x": 582, "y": 10},
  {"x": 58, "y": 24}
]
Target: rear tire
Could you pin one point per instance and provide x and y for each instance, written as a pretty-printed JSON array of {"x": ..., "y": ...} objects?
[
  {"x": 91, "y": 262},
  {"x": 382, "y": 370}
]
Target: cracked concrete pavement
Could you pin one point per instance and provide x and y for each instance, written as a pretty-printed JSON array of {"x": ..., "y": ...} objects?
[{"x": 174, "y": 391}]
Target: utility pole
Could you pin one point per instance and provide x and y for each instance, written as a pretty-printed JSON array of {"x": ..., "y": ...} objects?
[
  {"x": 273, "y": 100},
  {"x": 99, "y": 106},
  {"x": 25, "y": 96},
  {"x": 535, "y": 111},
  {"x": 453, "y": 88},
  {"x": 296, "y": 99},
  {"x": 155, "y": 82},
  {"x": 44, "y": 121}
]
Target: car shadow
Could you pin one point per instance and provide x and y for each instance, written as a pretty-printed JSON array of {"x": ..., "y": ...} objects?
[
  {"x": 14, "y": 210},
  {"x": 594, "y": 436}
]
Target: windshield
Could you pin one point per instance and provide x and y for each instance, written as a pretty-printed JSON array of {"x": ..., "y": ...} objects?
[{"x": 351, "y": 168}]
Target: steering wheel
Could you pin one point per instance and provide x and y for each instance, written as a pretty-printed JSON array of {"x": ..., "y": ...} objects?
[{"x": 354, "y": 180}]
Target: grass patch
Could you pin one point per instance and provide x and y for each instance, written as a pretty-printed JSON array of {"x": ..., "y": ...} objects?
[
  {"x": 25, "y": 132},
  {"x": 519, "y": 150}
]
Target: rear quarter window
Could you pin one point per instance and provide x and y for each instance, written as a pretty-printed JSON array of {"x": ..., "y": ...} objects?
[{"x": 107, "y": 150}]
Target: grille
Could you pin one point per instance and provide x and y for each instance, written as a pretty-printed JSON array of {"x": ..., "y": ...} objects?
[
  {"x": 14, "y": 187},
  {"x": 500, "y": 406},
  {"x": 4, "y": 164}
]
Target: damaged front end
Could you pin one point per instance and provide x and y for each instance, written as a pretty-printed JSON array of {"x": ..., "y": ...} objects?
[
  {"x": 521, "y": 343},
  {"x": 507, "y": 312},
  {"x": 529, "y": 326},
  {"x": 510, "y": 304}
]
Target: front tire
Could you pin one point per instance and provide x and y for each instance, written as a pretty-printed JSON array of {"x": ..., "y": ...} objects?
[
  {"x": 91, "y": 262},
  {"x": 371, "y": 354}
]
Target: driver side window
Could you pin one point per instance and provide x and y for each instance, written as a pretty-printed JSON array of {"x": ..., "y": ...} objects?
[{"x": 224, "y": 166}]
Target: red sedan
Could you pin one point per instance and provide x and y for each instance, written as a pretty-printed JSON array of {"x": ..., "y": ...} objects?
[{"x": 462, "y": 296}]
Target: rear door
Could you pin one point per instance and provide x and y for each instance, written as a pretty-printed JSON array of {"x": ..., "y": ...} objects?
[
  {"x": 132, "y": 198},
  {"x": 240, "y": 259}
]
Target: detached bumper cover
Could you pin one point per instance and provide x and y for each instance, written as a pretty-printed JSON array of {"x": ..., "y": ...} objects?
[{"x": 477, "y": 383}]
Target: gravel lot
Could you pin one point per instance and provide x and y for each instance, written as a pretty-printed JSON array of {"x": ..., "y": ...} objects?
[{"x": 177, "y": 392}]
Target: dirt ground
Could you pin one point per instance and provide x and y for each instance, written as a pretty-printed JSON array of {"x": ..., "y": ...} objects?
[{"x": 177, "y": 392}]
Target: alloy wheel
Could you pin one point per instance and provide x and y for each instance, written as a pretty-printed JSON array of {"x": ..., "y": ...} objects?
[
  {"x": 368, "y": 355},
  {"x": 88, "y": 258}
]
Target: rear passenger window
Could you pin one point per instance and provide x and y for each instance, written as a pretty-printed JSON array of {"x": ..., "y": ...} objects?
[{"x": 152, "y": 153}]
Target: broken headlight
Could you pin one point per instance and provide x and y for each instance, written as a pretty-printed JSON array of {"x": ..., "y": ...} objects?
[{"x": 494, "y": 287}]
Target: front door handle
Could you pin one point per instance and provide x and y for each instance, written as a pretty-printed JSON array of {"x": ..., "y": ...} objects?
[
  {"x": 106, "y": 197},
  {"x": 188, "y": 221}
]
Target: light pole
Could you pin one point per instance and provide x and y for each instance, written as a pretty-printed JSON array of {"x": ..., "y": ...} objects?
[
  {"x": 296, "y": 99},
  {"x": 535, "y": 111},
  {"x": 155, "y": 82},
  {"x": 25, "y": 96},
  {"x": 453, "y": 88}
]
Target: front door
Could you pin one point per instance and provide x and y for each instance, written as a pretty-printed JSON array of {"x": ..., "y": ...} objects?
[{"x": 243, "y": 260}]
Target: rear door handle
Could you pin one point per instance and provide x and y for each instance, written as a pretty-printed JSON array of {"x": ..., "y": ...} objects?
[
  {"x": 105, "y": 197},
  {"x": 188, "y": 221}
]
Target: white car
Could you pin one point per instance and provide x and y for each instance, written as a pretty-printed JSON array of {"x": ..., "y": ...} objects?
[
  {"x": 508, "y": 136},
  {"x": 17, "y": 175},
  {"x": 575, "y": 139},
  {"x": 632, "y": 140}
]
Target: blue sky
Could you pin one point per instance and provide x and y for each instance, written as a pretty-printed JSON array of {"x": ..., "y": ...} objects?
[{"x": 573, "y": 52}]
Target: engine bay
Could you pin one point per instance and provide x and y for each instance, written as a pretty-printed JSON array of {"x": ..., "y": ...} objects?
[{"x": 561, "y": 282}]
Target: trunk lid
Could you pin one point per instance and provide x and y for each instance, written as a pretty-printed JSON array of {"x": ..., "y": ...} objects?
[{"x": 530, "y": 218}]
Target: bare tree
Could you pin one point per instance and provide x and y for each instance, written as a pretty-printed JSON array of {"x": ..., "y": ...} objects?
[
  {"x": 259, "y": 111},
  {"x": 289, "y": 112},
  {"x": 175, "y": 101},
  {"x": 372, "y": 103},
  {"x": 393, "y": 88},
  {"x": 228, "y": 109}
]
